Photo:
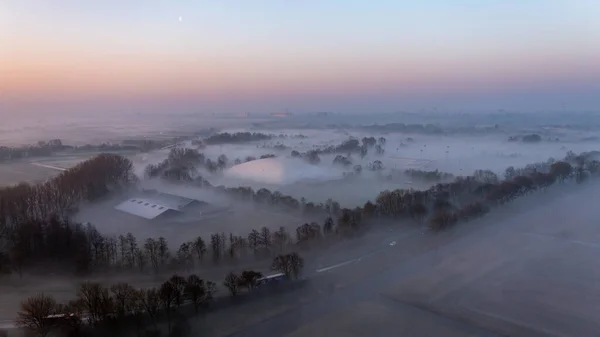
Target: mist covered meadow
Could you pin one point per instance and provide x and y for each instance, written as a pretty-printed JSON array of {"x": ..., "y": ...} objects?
[{"x": 459, "y": 153}]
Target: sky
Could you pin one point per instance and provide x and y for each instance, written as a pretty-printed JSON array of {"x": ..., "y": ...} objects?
[{"x": 312, "y": 55}]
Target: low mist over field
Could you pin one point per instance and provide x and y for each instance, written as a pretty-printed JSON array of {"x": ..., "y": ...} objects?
[
  {"x": 456, "y": 154},
  {"x": 277, "y": 161},
  {"x": 210, "y": 201},
  {"x": 299, "y": 168}
]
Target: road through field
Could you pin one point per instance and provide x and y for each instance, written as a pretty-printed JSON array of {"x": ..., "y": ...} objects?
[
  {"x": 534, "y": 274},
  {"x": 521, "y": 271}
]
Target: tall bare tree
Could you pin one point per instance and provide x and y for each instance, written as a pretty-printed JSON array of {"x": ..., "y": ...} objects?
[
  {"x": 34, "y": 314},
  {"x": 124, "y": 298},
  {"x": 199, "y": 248},
  {"x": 289, "y": 264},
  {"x": 232, "y": 283},
  {"x": 168, "y": 297},
  {"x": 151, "y": 301},
  {"x": 195, "y": 291}
]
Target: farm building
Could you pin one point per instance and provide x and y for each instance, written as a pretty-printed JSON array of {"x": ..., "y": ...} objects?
[{"x": 162, "y": 205}]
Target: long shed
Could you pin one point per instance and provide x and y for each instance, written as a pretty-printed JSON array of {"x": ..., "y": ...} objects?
[{"x": 156, "y": 205}]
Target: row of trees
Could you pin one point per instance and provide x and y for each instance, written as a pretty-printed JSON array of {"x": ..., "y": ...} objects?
[
  {"x": 234, "y": 138},
  {"x": 474, "y": 193},
  {"x": 444, "y": 205},
  {"x": 32, "y": 217},
  {"x": 121, "y": 307},
  {"x": 464, "y": 197},
  {"x": 429, "y": 176},
  {"x": 349, "y": 146},
  {"x": 60, "y": 245},
  {"x": 114, "y": 309},
  {"x": 491, "y": 191},
  {"x": 38, "y": 240},
  {"x": 87, "y": 181},
  {"x": 181, "y": 165},
  {"x": 53, "y": 146},
  {"x": 288, "y": 264},
  {"x": 41, "y": 149}
]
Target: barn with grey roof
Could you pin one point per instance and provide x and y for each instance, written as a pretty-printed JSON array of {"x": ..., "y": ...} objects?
[{"x": 154, "y": 205}]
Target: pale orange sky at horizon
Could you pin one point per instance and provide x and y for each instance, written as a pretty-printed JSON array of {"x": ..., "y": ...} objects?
[
  {"x": 89, "y": 74},
  {"x": 143, "y": 52}
]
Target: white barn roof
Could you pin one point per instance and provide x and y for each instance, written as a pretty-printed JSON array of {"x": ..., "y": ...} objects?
[{"x": 151, "y": 206}]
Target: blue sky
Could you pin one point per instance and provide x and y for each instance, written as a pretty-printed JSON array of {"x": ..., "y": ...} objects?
[{"x": 304, "y": 55}]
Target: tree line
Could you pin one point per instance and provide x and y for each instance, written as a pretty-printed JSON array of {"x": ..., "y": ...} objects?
[
  {"x": 235, "y": 138},
  {"x": 463, "y": 198},
  {"x": 121, "y": 308},
  {"x": 349, "y": 146},
  {"x": 244, "y": 137},
  {"x": 37, "y": 235},
  {"x": 33, "y": 232},
  {"x": 443, "y": 204},
  {"x": 182, "y": 165},
  {"x": 33, "y": 217},
  {"x": 53, "y": 146},
  {"x": 429, "y": 176},
  {"x": 63, "y": 246}
]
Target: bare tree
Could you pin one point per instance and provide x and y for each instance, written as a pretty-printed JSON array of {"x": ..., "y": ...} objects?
[
  {"x": 281, "y": 238},
  {"x": 34, "y": 314},
  {"x": 215, "y": 245},
  {"x": 140, "y": 259},
  {"x": 179, "y": 284},
  {"x": 133, "y": 249},
  {"x": 123, "y": 250},
  {"x": 195, "y": 291},
  {"x": 151, "y": 302},
  {"x": 168, "y": 297},
  {"x": 232, "y": 282},
  {"x": 184, "y": 255},
  {"x": 249, "y": 278},
  {"x": 152, "y": 251},
  {"x": 137, "y": 308},
  {"x": 163, "y": 251},
  {"x": 289, "y": 264},
  {"x": 92, "y": 297},
  {"x": 254, "y": 240},
  {"x": 265, "y": 237},
  {"x": 199, "y": 248},
  {"x": 124, "y": 297}
]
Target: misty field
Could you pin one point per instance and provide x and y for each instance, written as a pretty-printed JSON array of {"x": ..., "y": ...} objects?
[
  {"x": 13, "y": 173},
  {"x": 38, "y": 169},
  {"x": 318, "y": 191},
  {"x": 519, "y": 272}
]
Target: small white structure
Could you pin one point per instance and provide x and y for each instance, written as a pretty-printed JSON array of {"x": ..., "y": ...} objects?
[
  {"x": 271, "y": 279},
  {"x": 152, "y": 206}
]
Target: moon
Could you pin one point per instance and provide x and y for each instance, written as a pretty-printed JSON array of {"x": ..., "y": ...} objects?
[{"x": 180, "y": 18}]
